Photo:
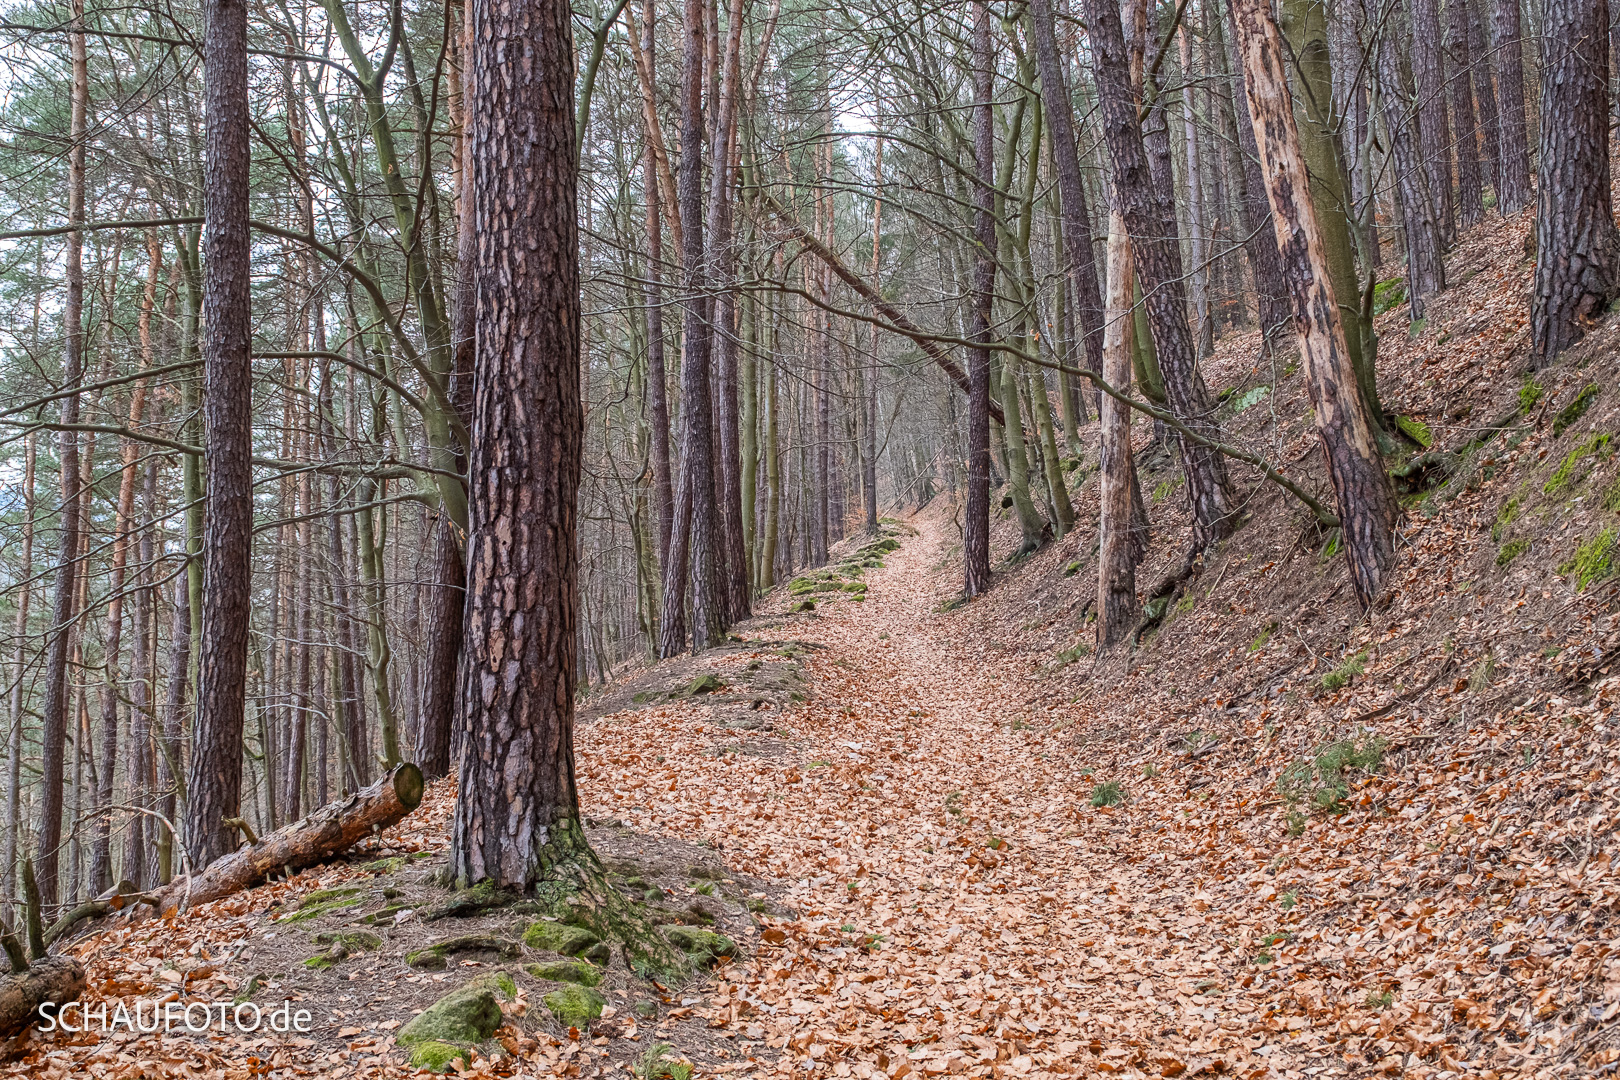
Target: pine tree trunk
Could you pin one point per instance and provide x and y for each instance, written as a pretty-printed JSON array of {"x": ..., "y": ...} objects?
[
  {"x": 1577, "y": 244},
  {"x": 14, "y": 732},
  {"x": 1490, "y": 123},
  {"x": 1434, "y": 126},
  {"x": 1514, "y": 193},
  {"x": 1425, "y": 272},
  {"x": 1470, "y": 191},
  {"x": 517, "y": 809},
  {"x": 1197, "y": 240},
  {"x": 1117, "y": 556},
  {"x": 446, "y": 611},
  {"x": 170, "y": 759},
  {"x": 1367, "y": 507},
  {"x": 1157, "y": 256},
  {"x": 1259, "y": 244},
  {"x": 976, "y": 525}
]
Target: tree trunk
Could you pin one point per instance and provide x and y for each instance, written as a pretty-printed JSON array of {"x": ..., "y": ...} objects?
[
  {"x": 54, "y": 979},
  {"x": 1157, "y": 256},
  {"x": 1367, "y": 508},
  {"x": 1577, "y": 245},
  {"x": 1197, "y": 240},
  {"x": 1460, "y": 63},
  {"x": 171, "y": 764},
  {"x": 1116, "y": 554},
  {"x": 517, "y": 808},
  {"x": 445, "y": 615},
  {"x": 54, "y": 725},
  {"x": 1434, "y": 126},
  {"x": 1513, "y": 194},
  {"x": 1425, "y": 271},
  {"x": 309, "y": 841},
  {"x": 1490, "y": 124},
  {"x": 14, "y": 732},
  {"x": 976, "y": 528},
  {"x": 1077, "y": 229}
]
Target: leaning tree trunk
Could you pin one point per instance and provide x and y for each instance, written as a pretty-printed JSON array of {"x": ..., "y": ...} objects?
[
  {"x": 517, "y": 808},
  {"x": 976, "y": 524},
  {"x": 1367, "y": 508},
  {"x": 1117, "y": 555},
  {"x": 1157, "y": 255},
  {"x": 1577, "y": 245},
  {"x": 214, "y": 787},
  {"x": 1514, "y": 192}
]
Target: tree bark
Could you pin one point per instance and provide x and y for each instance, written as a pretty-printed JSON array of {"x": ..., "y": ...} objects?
[
  {"x": 1490, "y": 124},
  {"x": 1367, "y": 508},
  {"x": 976, "y": 525},
  {"x": 657, "y": 378},
  {"x": 1117, "y": 555},
  {"x": 53, "y": 979},
  {"x": 1425, "y": 271},
  {"x": 1157, "y": 256},
  {"x": 1434, "y": 126},
  {"x": 1577, "y": 244},
  {"x": 1260, "y": 242},
  {"x": 1470, "y": 189},
  {"x": 1077, "y": 228},
  {"x": 446, "y": 612},
  {"x": 1513, "y": 194},
  {"x": 517, "y": 808},
  {"x": 54, "y": 725}
]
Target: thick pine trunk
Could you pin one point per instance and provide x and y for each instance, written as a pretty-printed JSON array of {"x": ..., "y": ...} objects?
[
  {"x": 1259, "y": 243},
  {"x": 1425, "y": 271},
  {"x": 1577, "y": 245},
  {"x": 1434, "y": 125},
  {"x": 1157, "y": 255},
  {"x": 1490, "y": 122},
  {"x": 976, "y": 523},
  {"x": 214, "y": 786},
  {"x": 517, "y": 808},
  {"x": 1367, "y": 508},
  {"x": 446, "y": 611},
  {"x": 1117, "y": 555},
  {"x": 1514, "y": 193}
]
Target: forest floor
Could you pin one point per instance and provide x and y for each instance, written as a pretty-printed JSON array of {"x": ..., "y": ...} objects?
[{"x": 1277, "y": 838}]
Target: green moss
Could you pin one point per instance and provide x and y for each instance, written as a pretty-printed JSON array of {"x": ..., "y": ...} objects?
[
  {"x": 1249, "y": 398},
  {"x": 1564, "y": 477},
  {"x": 706, "y": 683},
  {"x": 800, "y": 585},
  {"x": 323, "y": 902},
  {"x": 1611, "y": 496},
  {"x": 855, "y": 586},
  {"x": 322, "y": 961},
  {"x": 1530, "y": 393},
  {"x": 1570, "y": 414},
  {"x": 456, "y": 1021},
  {"x": 1593, "y": 560},
  {"x": 558, "y": 938},
  {"x": 1511, "y": 551},
  {"x": 705, "y": 947},
  {"x": 566, "y": 971},
  {"x": 385, "y": 913},
  {"x": 575, "y": 1006},
  {"x": 437, "y": 1056},
  {"x": 1072, "y": 568},
  {"x": 1388, "y": 294},
  {"x": 1263, "y": 636},
  {"x": 802, "y": 607},
  {"x": 1416, "y": 430},
  {"x": 1504, "y": 518},
  {"x": 353, "y": 940}
]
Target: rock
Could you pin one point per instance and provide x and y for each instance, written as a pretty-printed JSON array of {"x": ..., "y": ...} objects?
[
  {"x": 801, "y": 607},
  {"x": 704, "y": 684},
  {"x": 435, "y": 956},
  {"x": 645, "y": 1010},
  {"x": 353, "y": 940},
  {"x": 1072, "y": 569},
  {"x": 705, "y": 947},
  {"x": 575, "y": 1006},
  {"x": 566, "y": 971},
  {"x": 558, "y": 938},
  {"x": 444, "y": 1032}
]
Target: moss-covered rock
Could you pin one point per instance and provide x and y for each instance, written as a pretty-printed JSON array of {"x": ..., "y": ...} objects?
[
  {"x": 802, "y": 607},
  {"x": 706, "y": 683},
  {"x": 566, "y": 971},
  {"x": 324, "y": 902},
  {"x": 471, "y": 901},
  {"x": 448, "y": 1027},
  {"x": 384, "y": 914},
  {"x": 705, "y": 947},
  {"x": 575, "y": 1006},
  {"x": 559, "y": 938},
  {"x": 645, "y": 1009},
  {"x": 353, "y": 940},
  {"x": 436, "y": 956}
]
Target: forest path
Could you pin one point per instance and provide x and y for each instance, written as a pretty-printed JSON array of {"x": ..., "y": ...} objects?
[{"x": 962, "y": 909}]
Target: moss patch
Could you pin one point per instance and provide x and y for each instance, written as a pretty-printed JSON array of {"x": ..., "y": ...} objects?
[
  {"x": 575, "y": 1006},
  {"x": 1511, "y": 550},
  {"x": 1564, "y": 477},
  {"x": 566, "y": 971},
  {"x": 436, "y": 956},
  {"x": 1570, "y": 414},
  {"x": 456, "y": 1021},
  {"x": 705, "y": 947},
  {"x": 558, "y": 938},
  {"x": 1593, "y": 560},
  {"x": 323, "y": 902}
]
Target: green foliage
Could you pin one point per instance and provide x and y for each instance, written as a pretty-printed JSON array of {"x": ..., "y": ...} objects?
[
  {"x": 659, "y": 1063},
  {"x": 1504, "y": 518},
  {"x": 1263, "y": 636},
  {"x": 1320, "y": 780},
  {"x": 1108, "y": 793},
  {"x": 575, "y": 1006},
  {"x": 1511, "y": 550},
  {"x": 1375, "y": 1000},
  {"x": 1564, "y": 477},
  {"x": 1289, "y": 900},
  {"x": 1249, "y": 398},
  {"x": 1070, "y": 655},
  {"x": 1340, "y": 676},
  {"x": 1571, "y": 413},
  {"x": 1593, "y": 560}
]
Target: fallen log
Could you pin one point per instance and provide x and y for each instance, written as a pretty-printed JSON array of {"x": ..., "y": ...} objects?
[
  {"x": 55, "y": 979},
  {"x": 315, "y": 839}
]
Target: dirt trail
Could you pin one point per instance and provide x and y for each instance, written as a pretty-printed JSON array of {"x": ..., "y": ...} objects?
[{"x": 962, "y": 908}]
